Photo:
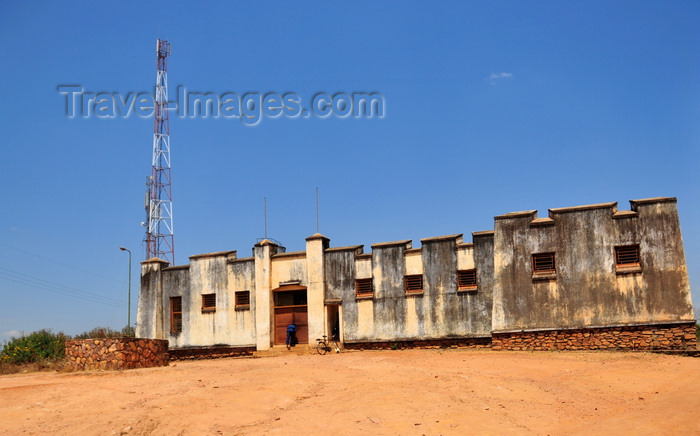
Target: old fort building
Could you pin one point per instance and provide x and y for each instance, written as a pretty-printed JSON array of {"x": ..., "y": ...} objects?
[{"x": 586, "y": 277}]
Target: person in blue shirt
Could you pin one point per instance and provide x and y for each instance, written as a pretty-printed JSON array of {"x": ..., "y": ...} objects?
[{"x": 291, "y": 331}]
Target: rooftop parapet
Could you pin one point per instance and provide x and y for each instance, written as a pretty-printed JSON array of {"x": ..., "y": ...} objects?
[
  {"x": 534, "y": 221},
  {"x": 407, "y": 243},
  {"x": 155, "y": 260},
  {"x": 458, "y": 237},
  {"x": 229, "y": 255}
]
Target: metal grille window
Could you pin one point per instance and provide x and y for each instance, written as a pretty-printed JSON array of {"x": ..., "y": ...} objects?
[
  {"x": 413, "y": 283},
  {"x": 208, "y": 302},
  {"x": 543, "y": 263},
  {"x": 364, "y": 287},
  {"x": 242, "y": 300},
  {"x": 175, "y": 314},
  {"x": 627, "y": 255},
  {"x": 466, "y": 279}
]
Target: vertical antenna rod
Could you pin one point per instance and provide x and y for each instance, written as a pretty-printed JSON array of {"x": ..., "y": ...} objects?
[
  {"x": 317, "y": 209},
  {"x": 265, "y": 215},
  {"x": 159, "y": 203}
]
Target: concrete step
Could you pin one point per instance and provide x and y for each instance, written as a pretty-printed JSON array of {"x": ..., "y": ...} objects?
[{"x": 278, "y": 350}]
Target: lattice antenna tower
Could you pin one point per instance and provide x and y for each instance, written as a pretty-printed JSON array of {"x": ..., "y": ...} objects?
[{"x": 159, "y": 202}]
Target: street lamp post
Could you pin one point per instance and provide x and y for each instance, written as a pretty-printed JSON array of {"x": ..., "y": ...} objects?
[{"x": 128, "y": 315}]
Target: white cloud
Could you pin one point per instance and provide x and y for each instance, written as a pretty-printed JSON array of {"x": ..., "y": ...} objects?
[
  {"x": 494, "y": 77},
  {"x": 12, "y": 333}
]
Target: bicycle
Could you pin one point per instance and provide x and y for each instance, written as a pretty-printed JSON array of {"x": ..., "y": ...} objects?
[{"x": 322, "y": 345}]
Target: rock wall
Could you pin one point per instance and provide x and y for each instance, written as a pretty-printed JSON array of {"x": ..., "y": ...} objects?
[
  {"x": 210, "y": 352},
  {"x": 649, "y": 337},
  {"x": 115, "y": 353},
  {"x": 436, "y": 343}
]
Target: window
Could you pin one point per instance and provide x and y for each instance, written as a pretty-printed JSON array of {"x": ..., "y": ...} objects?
[
  {"x": 627, "y": 259},
  {"x": 208, "y": 302},
  {"x": 466, "y": 280},
  {"x": 413, "y": 283},
  {"x": 364, "y": 288},
  {"x": 242, "y": 300},
  {"x": 175, "y": 314},
  {"x": 627, "y": 255},
  {"x": 543, "y": 263},
  {"x": 290, "y": 298}
]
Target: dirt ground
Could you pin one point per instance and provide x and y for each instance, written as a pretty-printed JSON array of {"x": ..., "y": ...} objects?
[{"x": 368, "y": 392}]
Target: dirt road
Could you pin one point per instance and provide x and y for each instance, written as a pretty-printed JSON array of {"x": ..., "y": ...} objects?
[{"x": 368, "y": 392}]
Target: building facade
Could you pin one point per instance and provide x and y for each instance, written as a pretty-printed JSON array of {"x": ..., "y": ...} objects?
[{"x": 586, "y": 277}]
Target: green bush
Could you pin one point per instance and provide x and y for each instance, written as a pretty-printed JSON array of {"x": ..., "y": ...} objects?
[
  {"x": 99, "y": 333},
  {"x": 106, "y": 332},
  {"x": 37, "y": 346}
]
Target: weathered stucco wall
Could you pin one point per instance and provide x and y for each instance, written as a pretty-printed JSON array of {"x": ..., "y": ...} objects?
[
  {"x": 176, "y": 283},
  {"x": 288, "y": 267},
  {"x": 391, "y": 314},
  {"x": 149, "y": 317},
  {"x": 340, "y": 276},
  {"x": 587, "y": 289},
  {"x": 390, "y": 301},
  {"x": 316, "y": 246},
  {"x": 205, "y": 274},
  {"x": 241, "y": 277},
  {"x": 480, "y": 303}
]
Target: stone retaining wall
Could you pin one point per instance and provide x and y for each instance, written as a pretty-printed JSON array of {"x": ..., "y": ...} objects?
[
  {"x": 649, "y": 337},
  {"x": 210, "y": 352},
  {"x": 115, "y": 353},
  {"x": 433, "y": 343}
]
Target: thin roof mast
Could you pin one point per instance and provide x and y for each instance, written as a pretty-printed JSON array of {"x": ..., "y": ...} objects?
[{"x": 317, "y": 226}]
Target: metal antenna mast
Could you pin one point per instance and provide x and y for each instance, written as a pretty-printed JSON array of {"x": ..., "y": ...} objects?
[
  {"x": 159, "y": 203},
  {"x": 265, "y": 214}
]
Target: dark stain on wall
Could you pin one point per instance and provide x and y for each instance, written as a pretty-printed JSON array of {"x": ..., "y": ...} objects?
[
  {"x": 389, "y": 296},
  {"x": 147, "y": 299},
  {"x": 477, "y": 305},
  {"x": 588, "y": 289},
  {"x": 440, "y": 300},
  {"x": 244, "y": 271},
  {"x": 176, "y": 283},
  {"x": 457, "y": 313},
  {"x": 340, "y": 285}
]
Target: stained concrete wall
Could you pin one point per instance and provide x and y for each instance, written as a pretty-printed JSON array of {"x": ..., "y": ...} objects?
[
  {"x": 340, "y": 274},
  {"x": 391, "y": 314},
  {"x": 587, "y": 288},
  {"x": 288, "y": 267},
  {"x": 176, "y": 283},
  {"x": 241, "y": 277},
  {"x": 315, "y": 291},
  {"x": 149, "y": 317},
  {"x": 213, "y": 273}
]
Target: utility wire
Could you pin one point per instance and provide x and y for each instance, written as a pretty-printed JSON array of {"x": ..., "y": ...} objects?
[
  {"x": 61, "y": 263},
  {"x": 24, "y": 279},
  {"x": 88, "y": 299}
]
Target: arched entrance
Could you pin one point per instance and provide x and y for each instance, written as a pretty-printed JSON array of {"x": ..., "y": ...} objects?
[{"x": 290, "y": 306}]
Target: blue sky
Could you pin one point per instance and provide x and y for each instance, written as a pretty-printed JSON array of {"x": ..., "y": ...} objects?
[{"x": 491, "y": 107}]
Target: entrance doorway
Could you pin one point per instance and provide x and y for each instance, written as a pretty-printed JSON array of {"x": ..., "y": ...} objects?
[
  {"x": 333, "y": 322},
  {"x": 291, "y": 307}
]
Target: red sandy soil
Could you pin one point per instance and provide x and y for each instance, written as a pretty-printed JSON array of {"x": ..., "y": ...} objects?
[{"x": 368, "y": 392}]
